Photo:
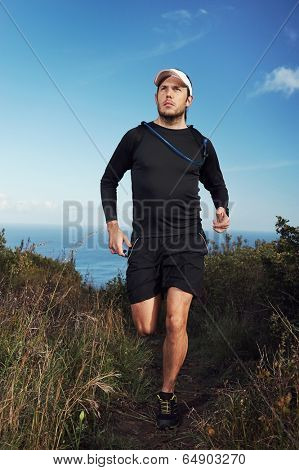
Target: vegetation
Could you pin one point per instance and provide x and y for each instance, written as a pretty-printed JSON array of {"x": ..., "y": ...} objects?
[{"x": 71, "y": 363}]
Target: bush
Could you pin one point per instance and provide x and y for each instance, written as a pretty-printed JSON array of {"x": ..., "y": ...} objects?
[
  {"x": 64, "y": 355},
  {"x": 264, "y": 413}
]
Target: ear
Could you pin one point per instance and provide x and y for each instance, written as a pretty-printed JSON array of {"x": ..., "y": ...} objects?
[{"x": 189, "y": 101}]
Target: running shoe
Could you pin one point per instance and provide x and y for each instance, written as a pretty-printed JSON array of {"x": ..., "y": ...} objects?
[{"x": 167, "y": 415}]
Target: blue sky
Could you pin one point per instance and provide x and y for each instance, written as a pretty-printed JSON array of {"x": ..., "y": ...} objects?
[{"x": 76, "y": 75}]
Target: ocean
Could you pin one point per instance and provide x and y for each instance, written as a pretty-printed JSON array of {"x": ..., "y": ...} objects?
[{"x": 93, "y": 258}]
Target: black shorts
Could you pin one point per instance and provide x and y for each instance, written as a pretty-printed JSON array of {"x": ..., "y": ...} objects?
[{"x": 157, "y": 263}]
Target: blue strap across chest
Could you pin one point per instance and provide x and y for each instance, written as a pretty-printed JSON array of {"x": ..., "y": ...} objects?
[{"x": 174, "y": 149}]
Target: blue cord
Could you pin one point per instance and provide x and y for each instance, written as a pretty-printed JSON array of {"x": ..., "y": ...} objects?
[{"x": 177, "y": 151}]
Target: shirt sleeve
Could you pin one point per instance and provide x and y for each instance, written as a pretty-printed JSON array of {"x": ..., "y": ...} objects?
[
  {"x": 212, "y": 179},
  {"x": 120, "y": 162}
]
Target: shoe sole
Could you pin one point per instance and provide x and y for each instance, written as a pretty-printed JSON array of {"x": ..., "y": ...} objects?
[{"x": 168, "y": 425}]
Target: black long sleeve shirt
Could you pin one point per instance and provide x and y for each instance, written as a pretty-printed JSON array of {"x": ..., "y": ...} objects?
[{"x": 164, "y": 186}]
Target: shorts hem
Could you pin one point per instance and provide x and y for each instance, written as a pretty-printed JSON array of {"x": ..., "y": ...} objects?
[
  {"x": 135, "y": 299},
  {"x": 183, "y": 288}
]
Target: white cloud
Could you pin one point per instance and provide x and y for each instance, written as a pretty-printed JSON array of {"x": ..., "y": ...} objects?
[
  {"x": 50, "y": 204},
  {"x": 201, "y": 11},
  {"x": 281, "y": 79},
  {"x": 177, "y": 15},
  {"x": 33, "y": 204},
  {"x": 166, "y": 47},
  {"x": 183, "y": 16},
  {"x": 175, "y": 32},
  {"x": 7, "y": 203},
  {"x": 4, "y": 201}
]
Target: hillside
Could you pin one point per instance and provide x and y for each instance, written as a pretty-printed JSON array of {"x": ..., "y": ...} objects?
[{"x": 75, "y": 375}]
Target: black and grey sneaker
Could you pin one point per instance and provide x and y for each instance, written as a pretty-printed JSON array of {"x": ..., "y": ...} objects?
[{"x": 167, "y": 415}]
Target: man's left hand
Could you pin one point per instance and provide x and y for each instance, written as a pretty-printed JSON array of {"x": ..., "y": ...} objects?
[{"x": 222, "y": 220}]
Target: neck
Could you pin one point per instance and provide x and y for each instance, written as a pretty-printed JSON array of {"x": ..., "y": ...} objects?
[{"x": 177, "y": 123}]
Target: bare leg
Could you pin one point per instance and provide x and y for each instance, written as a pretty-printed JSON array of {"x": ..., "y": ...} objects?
[
  {"x": 176, "y": 341},
  {"x": 145, "y": 315}
]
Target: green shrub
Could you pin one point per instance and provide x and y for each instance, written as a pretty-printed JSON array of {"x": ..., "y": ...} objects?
[{"x": 263, "y": 413}]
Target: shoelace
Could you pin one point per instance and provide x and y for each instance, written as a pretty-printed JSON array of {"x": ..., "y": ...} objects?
[{"x": 165, "y": 405}]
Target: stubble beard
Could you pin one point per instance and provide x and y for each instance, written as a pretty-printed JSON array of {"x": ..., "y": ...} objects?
[{"x": 170, "y": 118}]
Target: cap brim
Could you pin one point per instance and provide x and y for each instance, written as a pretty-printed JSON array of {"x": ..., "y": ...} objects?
[{"x": 166, "y": 74}]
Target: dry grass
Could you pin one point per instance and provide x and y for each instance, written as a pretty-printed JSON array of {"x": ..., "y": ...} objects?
[
  {"x": 263, "y": 413},
  {"x": 65, "y": 354},
  {"x": 69, "y": 354}
]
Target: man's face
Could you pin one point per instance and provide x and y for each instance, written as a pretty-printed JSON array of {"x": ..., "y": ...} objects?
[{"x": 171, "y": 98}]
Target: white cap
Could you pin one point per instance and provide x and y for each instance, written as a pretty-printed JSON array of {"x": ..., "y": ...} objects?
[{"x": 175, "y": 73}]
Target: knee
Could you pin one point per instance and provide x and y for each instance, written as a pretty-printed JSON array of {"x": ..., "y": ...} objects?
[
  {"x": 145, "y": 331},
  {"x": 175, "y": 325}
]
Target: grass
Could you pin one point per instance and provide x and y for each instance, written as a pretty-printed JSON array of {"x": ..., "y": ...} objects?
[
  {"x": 65, "y": 352},
  {"x": 263, "y": 413},
  {"x": 70, "y": 356}
]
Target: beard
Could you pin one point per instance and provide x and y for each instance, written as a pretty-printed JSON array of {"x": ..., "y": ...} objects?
[{"x": 170, "y": 118}]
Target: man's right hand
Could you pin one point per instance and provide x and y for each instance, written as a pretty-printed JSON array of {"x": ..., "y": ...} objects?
[{"x": 116, "y": 238}]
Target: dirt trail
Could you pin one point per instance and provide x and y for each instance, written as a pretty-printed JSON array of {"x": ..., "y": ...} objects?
[{"x": 135, "y": 424}]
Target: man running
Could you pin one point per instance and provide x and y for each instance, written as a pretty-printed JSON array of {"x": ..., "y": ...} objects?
[{"x": 168, "y": 244}]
